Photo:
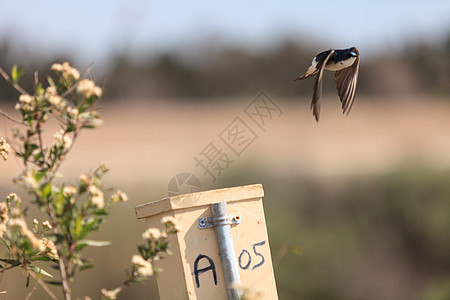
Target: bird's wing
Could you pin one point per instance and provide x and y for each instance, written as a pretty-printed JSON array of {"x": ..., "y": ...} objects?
[
  {"x": 346, "y": 81},
  {"x": 315, "y": 103}
]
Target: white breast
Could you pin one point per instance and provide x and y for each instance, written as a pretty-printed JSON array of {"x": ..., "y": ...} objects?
[{"x": 340, "y": 65}]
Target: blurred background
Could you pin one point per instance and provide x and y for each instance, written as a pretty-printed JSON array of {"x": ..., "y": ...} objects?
[{"x": 364, "y": 200}]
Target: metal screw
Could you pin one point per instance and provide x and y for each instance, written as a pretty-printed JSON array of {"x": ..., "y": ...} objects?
[
  {"x": 236, "y": 219},
  {"x": 202, "y": 222}
]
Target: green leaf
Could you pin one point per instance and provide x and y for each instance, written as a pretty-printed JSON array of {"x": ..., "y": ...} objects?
[
  {"x": 46, "y": 191},
  {"x": 51, "y": 82},
  {"x": 78, "y": 226},
  {"x": 71, "y": 127},
  {"x": 39, "y": 90},
  {"x": 53, "y": 282},
  {"x": 16, "y": 73},
  {"x": 94, "y": 243},
  {"x": 100, "y": 212},
  {"x": 93, "y": 123},
  {"x": 58, "y": 175},
  {"x": 38, "y": 156},
  {"x": 80, "y": 247},
  {"x": 86, "y": 267},
  {"x": 12, "y": 262},
  {"x": 27, "y": 283},
  {"x": 39, "y": 271},
  {"x": 60, "y": 238},
  {"x": 90, "y": 225},
  {"x": 25, "y": 211},
  {"x": 58, "y": 204},
  {"x": 39, "y": 175},
  {"x": 41, "y": 258},
  {"x": 296, "y": 249},
  {"x": 142, "y": 251},
  {"x": 29, "y": 148},
  {"x": 28, "y": 118}
]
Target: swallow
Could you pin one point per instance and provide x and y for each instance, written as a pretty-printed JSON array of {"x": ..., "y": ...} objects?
[{"x": 346, "y": 64}]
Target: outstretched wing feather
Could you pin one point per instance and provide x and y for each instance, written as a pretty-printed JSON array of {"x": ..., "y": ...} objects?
[
  {"x": 346, "y": 81},
  {"x": 317, "y": 94}
]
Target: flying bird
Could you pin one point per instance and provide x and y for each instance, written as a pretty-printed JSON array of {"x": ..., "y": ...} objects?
[{"x": 346, "y": 64}]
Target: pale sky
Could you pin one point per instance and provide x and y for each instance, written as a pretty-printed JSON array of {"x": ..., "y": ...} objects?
[{"x": 91, "y": 30}]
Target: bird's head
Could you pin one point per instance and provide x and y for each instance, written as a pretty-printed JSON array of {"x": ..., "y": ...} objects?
[{"x": 353, "y": 52}]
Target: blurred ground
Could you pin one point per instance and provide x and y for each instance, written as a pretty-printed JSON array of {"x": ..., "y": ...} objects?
[
  {"x": 159, "y": 140},
  {"x": 365, "y": 196}
]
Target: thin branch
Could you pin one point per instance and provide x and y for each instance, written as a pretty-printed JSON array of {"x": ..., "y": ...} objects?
[
  {"x": 55, "y": 167},
  {"x": 282, "y": 251},
  {"x": 70, "y": 90},
  {"x": 65, "y": 284},
  {"x": 41, "y": 283},
  {"x": 89, "y": 70},
  {"x": 11, "y": 118},
  {"x": 2, "y": 272},
  {"x": 31, "y": 292},
  {"x": 36, "y": 79},
  {"x": 15, "y": 85},
  {"x": 62, "y": 267},
  {"x": 74, "y": 86},
  {"x": 63, "y": 270},
  {"x": 39, "y": 132}
]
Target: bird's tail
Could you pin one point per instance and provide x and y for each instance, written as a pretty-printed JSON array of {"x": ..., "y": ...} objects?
[{"x": 304, "y": 75}]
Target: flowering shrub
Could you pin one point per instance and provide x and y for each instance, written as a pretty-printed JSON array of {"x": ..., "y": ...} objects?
[{"x": 74, "y": 210}]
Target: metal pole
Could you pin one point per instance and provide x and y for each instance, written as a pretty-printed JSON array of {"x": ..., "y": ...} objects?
[{"x": 221, "y": 222}]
